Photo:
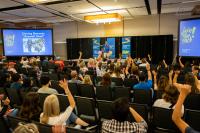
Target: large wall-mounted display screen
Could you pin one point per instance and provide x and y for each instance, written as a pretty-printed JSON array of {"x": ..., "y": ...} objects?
[
  {"x": 189, "y": 37},
  {"x": 27, "y": 42}
]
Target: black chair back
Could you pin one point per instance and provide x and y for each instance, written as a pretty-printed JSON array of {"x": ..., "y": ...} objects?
[
  {"x": 192, "y": 117},
  {"x": 43, "y": 128},
  {"x": 142, "y": 109},
  {"x": 14, "y": 121},
  {"x": 63, "y": 102},
  {"x": 142, "y": 96},
  {"x": 130, "y": 82},
  {"x": 86, "y": 109},
  {"x": 162, "y": 120},
  {"x": 3, "y": 126},
  {"x": 120, "y": 91},
  {"x": 103, "y": 93},
  {"x": 14, "y": 97},
  {"x": 117, "y": 81},
  {"x": 158, "y": 94},
  {"x": 192, "y": 102},
  {"x": 87, "y": 90},
  {"x": 105, "y": 109},
  {"x": 73, "y": 87},
  {"x": 98, "y": 79},
  {"x": 42, "y": 97},
  {"x": 55, "y": 85}
]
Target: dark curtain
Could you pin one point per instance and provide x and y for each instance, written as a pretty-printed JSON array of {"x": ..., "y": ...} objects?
[{"x": 159, "y": 47}]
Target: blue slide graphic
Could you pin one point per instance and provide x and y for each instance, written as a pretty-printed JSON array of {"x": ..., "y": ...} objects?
[
  {"x": 96, "y": 46},
  {"x": 27, "y": 42},
  {"x": 111, "y": 44},
  {"x": 126, "y": 47},
  {"x": 189, "y": 38}
]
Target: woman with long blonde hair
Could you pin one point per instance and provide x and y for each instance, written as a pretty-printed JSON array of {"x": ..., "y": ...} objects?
[
  {"x": 51, "y": 110},
  {"x": 87, "y": 80}
]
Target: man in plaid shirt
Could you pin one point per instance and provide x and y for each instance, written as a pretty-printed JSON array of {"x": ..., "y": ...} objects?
[{"x": 120, "y": 124}]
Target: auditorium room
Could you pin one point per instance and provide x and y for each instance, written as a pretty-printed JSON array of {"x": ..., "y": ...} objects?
[{"x": 99, "y": 66}]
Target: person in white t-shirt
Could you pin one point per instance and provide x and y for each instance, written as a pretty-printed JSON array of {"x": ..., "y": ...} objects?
[
  {"x": 169, "y": 98},
  {"x": 51, "y": 110}
]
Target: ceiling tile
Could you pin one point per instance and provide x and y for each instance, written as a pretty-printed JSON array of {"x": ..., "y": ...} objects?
[
  {"x": 8, "y": 3},
  {"x": 138, "y": 11},
  {"x": 117, "y": 4},
  {"x": 5, "y": 16},
  {"x": 74, "y": 7},
  {"x": 30, "y": 12}
]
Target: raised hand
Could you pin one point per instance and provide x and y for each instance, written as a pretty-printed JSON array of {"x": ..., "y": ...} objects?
[
  {"x": 154, "y": 73},
  {"x": 171, "y": 73},
  {"x": 63, "y": 84},
  {"x": 148, "y": 67}
]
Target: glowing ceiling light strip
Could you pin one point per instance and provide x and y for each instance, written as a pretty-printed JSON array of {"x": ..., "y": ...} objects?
[
  {"x": 103, "y": 18},
  {"x": 37, "y": 1}
]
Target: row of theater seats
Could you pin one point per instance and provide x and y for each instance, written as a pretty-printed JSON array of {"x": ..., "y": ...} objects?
[
  {"x": 96, "y": 111},
  {"x": 13, "y": 122}
]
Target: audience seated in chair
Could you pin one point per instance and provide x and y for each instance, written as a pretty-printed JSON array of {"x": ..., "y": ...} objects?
[
  {"x": 106, "y": 80},
  {"x": 51, "y": 111},
  {"x": 169, "y": 98},
  {"x": 17, "y": 81},
  {"x": 45, "y": 82},
  {"x": 119, "y": 123},
  {"x": 75, "y": 77},
  {"x": 143, "y": 84},
  {"x": 30, "y": 109}
]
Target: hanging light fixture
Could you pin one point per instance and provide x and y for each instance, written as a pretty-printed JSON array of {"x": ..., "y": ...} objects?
[
  {"x": 36, "y": 1},
  {"x": 103, "y": 18}
]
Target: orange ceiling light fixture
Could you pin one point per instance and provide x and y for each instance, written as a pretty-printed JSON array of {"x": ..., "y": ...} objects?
[
  {"x": 103, "y": 18},
  {"x": 36, "y": 1}
]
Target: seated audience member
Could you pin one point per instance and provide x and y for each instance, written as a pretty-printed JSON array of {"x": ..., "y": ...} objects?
[
  {"x": 11, "y": 67},
  {"x": 117, "y": 72},
  {"x": 45, "y": 82},
  {"x": 60, "y": 63},
  {"x": 143, "y": 84},
  {"x": 143, "y": 63},
  {"x": 17, "y": 81},
  {"x": 5, "y": 80},
  {"x": 119, "y": 123},
  {"x": 191, "y": 79},
  {"x": 176, "y": 116},
  {"x": 28, "y": 85},
  {"x": 99, "y": 70},
  {"x": 25, "y": 62},
  {"x": 74, "y": 77},
  {"x": 26, "y": 128},
  {"x": 87, "y": 80},
  {"x": 3, "y": 105},
  {"x": 169, "y": 98},
  {"x": 162, "y": 82},
  {"x": 30, "y": 108},
  {"x": 83, "y": 68},
  {"x": 106, "y": 80},
  {"x": 187, "y": 67},
  {"x": 51, "y": 110},
  {"x": 91, "y": 63}
]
